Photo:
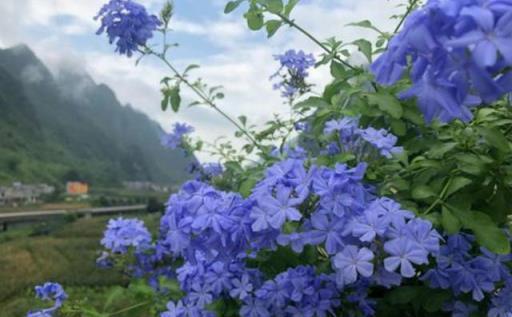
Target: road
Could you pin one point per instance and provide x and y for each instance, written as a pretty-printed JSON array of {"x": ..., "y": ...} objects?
[{"x": 28, "y": 216}]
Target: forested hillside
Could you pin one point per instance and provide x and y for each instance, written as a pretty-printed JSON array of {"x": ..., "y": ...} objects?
[{"x": 62, "y": 127}]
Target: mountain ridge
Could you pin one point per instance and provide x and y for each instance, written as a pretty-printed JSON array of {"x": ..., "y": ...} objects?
[{"x": 64, "y": 127}]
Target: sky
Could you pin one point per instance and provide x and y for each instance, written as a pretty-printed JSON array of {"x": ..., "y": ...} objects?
[{"x": 62, "y": 34}]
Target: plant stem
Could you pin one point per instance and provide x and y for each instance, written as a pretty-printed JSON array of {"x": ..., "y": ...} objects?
[
  {"x": 316, "y": 41},
  {"x": 312, "y": 38},
  {"x": 129, "y": 308},
  {"x": 207, "y": 100},
  {"x": 441, "y": 197},
  {"x": 412, "y": 5}
]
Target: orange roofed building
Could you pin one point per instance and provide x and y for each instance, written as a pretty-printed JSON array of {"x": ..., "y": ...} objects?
[{"x": 77, "y": 188}]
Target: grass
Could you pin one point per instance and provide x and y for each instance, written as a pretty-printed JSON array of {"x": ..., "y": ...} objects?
[{"x": 66, "y": 255}]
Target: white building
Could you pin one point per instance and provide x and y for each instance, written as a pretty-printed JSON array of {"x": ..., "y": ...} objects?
[{"x": 20, "y": 194}]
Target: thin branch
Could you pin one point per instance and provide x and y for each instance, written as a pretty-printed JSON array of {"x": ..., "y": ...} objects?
[
  {"x": 207, "y": 100},
  {"x": 412, "y": 5},
  {"x": 312, "y": 38}
]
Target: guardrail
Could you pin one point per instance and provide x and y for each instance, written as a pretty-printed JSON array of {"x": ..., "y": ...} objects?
[{"x": 31, "y": 216}]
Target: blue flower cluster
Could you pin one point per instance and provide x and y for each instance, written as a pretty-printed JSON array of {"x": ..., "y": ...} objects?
[
  {"x": 174, "y": 139},
  {"x": 124, "y": 235},
  {"x": 364, "y": 241},
  {"x": 121, "y": 234},
  {"x": 501, "y": 302},
  {"x": 358, "y": 141},
  {"x": 460, "y": 51},
  {"x": 463, "y": 269},
  {"x": 211, "y": 231},
  {"x": 295, "y": 65},
  {"x": 369, "y": 241},
  {"x": 49, "y": 292},
  {"x": 297, "y": 292},
  {"x": 128, "y": 24}
]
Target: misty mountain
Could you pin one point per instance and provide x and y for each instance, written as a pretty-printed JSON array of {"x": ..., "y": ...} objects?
[{"x": 57, "y": 128}]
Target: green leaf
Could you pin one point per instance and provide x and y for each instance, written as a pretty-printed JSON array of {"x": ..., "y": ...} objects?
[
  {"x": 364, "y": 47},
  {"x": 243, "y": 119},
  {"x": 233, "y": 166},
  {"x": 191, "y": 67},
  {"x": 175, "y": 98},
  {"x": 112, "y": 295},
  {"x": 456, "y": 184},
  {"x": 433, "y": 300},
  {"x": 254, "y": 19},
  {"x": 470, "y": 163},
  {"x": 493, "y": 238},
  {"x": 272, "y": 26},
  {"x": 380, "y": 42},
  {"x": 274, "y": 6},
  {"x": 338, "y": 71},
  {"x": 439, "y": 151},
  {"x": 450, "y": 222},
  {"x": 232, "y": 5},
  {"x": 365, "y": 25},
  {"x": 398, "y": 127},
  {"x": 403, "y": 295},
  {"x": 247, "y": 186},
  {"x": 487, "y": 233},
  {"x": 165, "y": 101},
  {"x": 495, "y": 138},
  {"x": 312, "y": 102},
  {"x": 386, "y": 103},
  {"x": 289, "y": 7},
  {"x": 422, "y": 192}
]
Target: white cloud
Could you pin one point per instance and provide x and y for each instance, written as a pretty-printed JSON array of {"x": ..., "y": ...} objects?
[
  {"x": 32, "y": 73},
  {"x": 243, "y": 67},
  {"x": 188, "y": 27}
]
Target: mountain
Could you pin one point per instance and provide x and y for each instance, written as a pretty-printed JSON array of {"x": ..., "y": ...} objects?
[{"x": 67, "y": 127}]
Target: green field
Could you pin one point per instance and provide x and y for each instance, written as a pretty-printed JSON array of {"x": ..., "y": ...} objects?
[{"x": 64, "y": 252}]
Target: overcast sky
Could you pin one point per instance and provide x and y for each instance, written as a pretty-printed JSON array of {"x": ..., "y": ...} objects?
[{"x": 62, "y": 33}]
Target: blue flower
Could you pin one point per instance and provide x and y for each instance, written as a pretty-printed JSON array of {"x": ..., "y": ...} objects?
[
  {"x": 295, "y": 240},
  {"x": 254, "y": 308},
  {"x": 346, "y": 127},
  {"x": 372, "y": 224},
  {"x": 501, "y": 303},
  {"x": 382, "y": 140},
  {"x": 458, "y": 52},
  {"x": 174, "y": 310},
  {"x": 241, "y": 288},
  {"x": 175, "y": 138},
  {"x": 175, "y": 237},
  {"x": 440, "y": 98},
  {"x": 49, "y": 292},
  {"x": 261, "y": 219},
  {"x": 218, "y": 277},
  {"x": 328, "y": 229},
  {"x": 404, "y": 253},
  {"x": 298, "y": 292},
  {"x": 491, "y": 37},
  {"x": 460, "y": 309},
  {"x": 352, "y": 262},
  {"x": 213, "y": 169},
  {"x": 124, "y": 233},
  {"x": 296, "y": 65},
  {"x": 340, "y": 190},
  {"x": 200, "y": 295},
  {"x": 302, "y": 126},
  {"x": 128, "y": 24},
  {"x": 281, "y": 208},
  {"x": 297, "y": 62}
]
